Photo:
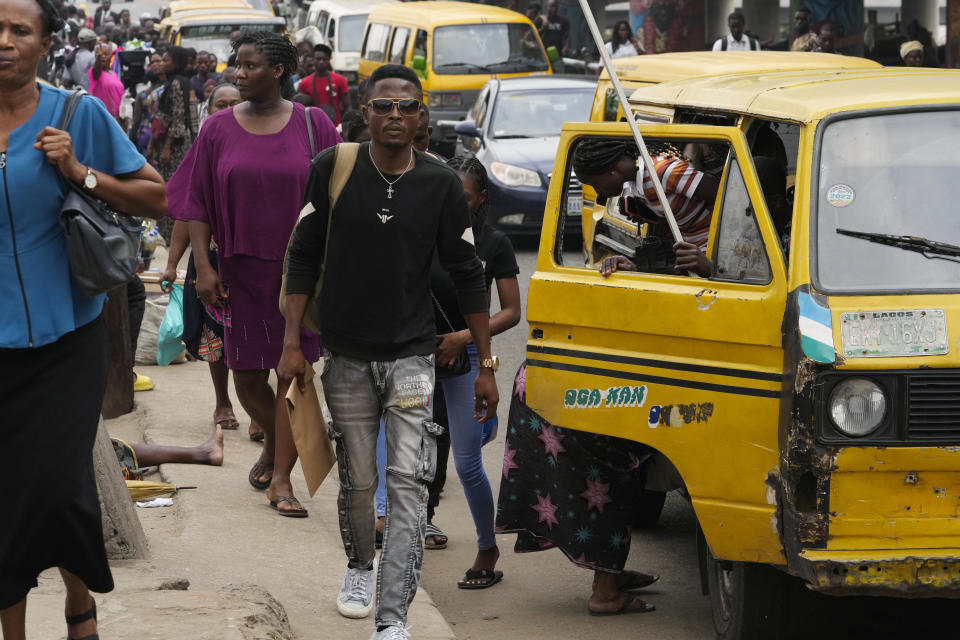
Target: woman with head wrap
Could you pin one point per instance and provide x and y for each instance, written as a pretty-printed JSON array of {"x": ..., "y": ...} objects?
[{"x": 912, "y": 53}]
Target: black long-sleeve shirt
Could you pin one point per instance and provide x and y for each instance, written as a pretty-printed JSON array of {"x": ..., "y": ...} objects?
[{"x": 376, "y": 301}]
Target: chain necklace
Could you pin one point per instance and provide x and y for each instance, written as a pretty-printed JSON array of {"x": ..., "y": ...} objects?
[{"x": 390, "y": 184}]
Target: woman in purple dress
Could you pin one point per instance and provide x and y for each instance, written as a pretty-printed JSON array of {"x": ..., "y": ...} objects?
[{"x": 243, "y": 182}]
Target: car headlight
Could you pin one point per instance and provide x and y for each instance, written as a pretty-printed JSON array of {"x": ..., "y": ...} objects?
[
  {"x": 514, "y": 176},
  {"x": 857, "y": 406}
]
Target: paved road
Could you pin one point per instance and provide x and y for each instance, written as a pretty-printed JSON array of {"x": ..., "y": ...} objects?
[{"x": 544, "y": 596}]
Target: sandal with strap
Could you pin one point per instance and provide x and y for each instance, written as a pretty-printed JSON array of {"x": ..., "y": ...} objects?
[
  {"x": 481, "y": 579},
  {"x": 80, "y": 618}
]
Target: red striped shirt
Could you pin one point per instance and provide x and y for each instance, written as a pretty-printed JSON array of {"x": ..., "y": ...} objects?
[{"x": 680, "y": 181}]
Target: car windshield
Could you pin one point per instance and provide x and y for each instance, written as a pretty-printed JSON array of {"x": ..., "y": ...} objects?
[
  {"x": 538, "y": 114},
  {"x": 891, "y": 174},
  {"x": 487, "y": 48},
  {"x": 350, "y": 37},
  {"x": 215, "y": 38}
]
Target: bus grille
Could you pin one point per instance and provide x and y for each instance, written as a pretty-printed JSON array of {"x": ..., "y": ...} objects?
[{"x": 933, "y": 411}]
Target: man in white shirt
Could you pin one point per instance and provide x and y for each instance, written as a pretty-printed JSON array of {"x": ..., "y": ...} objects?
[
  {"x": 736, "y": 40},
  {"x": 83, "y": 58}
]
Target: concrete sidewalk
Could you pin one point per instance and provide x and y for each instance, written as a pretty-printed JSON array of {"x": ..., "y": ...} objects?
[{"x": 252, "y": 574}]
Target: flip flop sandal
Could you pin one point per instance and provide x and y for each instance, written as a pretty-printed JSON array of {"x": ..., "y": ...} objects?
[
  {"x": 489, "y": 578},
  {"x": 288, "y": 513},
  {"x": 637, "y": 580},
  {"x": 624, "y": 608},
  {"x": 227, "y": 424},
  {"x": 80, "y": 618},
  {"x": 257, "y": 437},
  {"x": 254, "y": 482},
  {"x": 433, "y": 531}
]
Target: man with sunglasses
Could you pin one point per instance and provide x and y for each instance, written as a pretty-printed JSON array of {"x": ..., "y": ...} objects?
[{"x": 398, "y": 208}]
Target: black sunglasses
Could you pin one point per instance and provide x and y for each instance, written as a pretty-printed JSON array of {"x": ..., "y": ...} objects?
[{"x": 384, "y": 106}]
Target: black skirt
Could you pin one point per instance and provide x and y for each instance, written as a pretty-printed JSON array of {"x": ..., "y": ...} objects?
[{"x": 50, "y": 400}]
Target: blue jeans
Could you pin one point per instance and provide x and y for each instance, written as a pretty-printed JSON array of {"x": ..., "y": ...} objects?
[
  {"x": 466, "y": 440},
  {"x": 358, "y": 393}
]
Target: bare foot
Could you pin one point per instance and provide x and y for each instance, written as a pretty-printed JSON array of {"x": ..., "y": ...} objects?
[
  {"x": 213, "y": 448},
  {"x": 622, "y": 603},
  {"x": 225, "y": 418}
]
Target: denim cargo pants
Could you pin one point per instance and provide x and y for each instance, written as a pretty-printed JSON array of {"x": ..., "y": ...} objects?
[{"x": 357, "y": 393}]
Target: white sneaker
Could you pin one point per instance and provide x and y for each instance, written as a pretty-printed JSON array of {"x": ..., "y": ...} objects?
[
  {"x": 392, "y": 632},
  {"x": 356, "y": 594}
]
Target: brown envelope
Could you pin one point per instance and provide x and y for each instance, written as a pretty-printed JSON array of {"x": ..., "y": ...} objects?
[{"x": 310, "y": 432}]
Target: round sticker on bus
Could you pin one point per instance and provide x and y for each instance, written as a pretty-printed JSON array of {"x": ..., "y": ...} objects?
[{"x": 841, "y": 195}]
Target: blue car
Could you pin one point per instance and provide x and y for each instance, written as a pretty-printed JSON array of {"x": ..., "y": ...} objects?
[{"x": 514, "y": 130}]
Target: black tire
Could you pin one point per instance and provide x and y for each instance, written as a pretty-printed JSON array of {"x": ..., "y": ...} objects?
[
  {"x": 747, "y": 600},
  {"x": 649, "y": 508}
]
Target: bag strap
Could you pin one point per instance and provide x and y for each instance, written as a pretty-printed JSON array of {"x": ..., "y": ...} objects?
[
  {"x": 442, "y": 313},
  {"x": 723, "y": 47},
  {"x": 69, "y": 107},
  {"x": 344, "y": 160},
  {"x": 334, "y": 99},
  {"x": 313, "y": 147}
]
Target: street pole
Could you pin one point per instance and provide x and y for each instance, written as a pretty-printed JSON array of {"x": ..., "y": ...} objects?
[{"x": 625, "y": 105}]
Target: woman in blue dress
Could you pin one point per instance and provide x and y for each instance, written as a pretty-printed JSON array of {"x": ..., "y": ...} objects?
[{"x": 52, "y": 340}]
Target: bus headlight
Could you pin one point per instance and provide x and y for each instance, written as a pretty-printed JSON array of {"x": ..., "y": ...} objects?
[{"x": 857, "y": 406}]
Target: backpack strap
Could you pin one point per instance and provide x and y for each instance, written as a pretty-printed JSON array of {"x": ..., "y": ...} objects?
[
  {"x": 723, "y": 47},
  {"x": 313, "y": 146},
  {"x": 754, "y": 44},
  {"x": 344, "y": 160}
]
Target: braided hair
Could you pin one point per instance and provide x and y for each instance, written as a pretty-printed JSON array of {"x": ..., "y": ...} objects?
[
  {"x": 600, "y": 155},
  {"x": 277, "y": 48},
  {"x": 50, "y": 16},
  {"x": 474, "y": 169}
]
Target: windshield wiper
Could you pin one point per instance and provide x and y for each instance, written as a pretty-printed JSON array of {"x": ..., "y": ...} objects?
[
  {"x": 462, "y": 64},
  {"x": 509, "y": 136},
  {"x": 928, "y": 248}
]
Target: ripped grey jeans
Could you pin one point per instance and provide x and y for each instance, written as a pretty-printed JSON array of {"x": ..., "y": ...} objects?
[{"x": 358, "y": 393}]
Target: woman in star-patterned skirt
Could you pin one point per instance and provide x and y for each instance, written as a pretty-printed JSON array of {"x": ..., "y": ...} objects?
[{"x": 578, "y": 492}]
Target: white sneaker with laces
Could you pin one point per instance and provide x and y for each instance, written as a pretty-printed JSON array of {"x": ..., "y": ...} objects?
[
  {"x": 356, "y": 594},
  {"x": 393, "y": 632}
]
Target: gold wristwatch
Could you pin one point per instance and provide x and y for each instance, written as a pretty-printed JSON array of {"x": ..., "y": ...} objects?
[{"x": 489, "y": 363}]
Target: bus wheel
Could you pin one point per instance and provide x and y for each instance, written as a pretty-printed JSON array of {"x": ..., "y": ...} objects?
[
  {"x": 649, "y": 507},
  {"x": 747, "y": 599}
]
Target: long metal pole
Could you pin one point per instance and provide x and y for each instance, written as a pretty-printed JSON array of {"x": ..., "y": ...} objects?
[{"x": 647, "y": 161}]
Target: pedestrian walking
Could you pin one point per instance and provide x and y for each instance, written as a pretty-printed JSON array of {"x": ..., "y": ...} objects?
[
  {"x": 202, "y": 334},
  {"x": 103, "y": 83},
  {"x": 53, "y": 363},
  {"x": 453, "y": 341},
  {"x": 83, "y": 58},
  {"x": 226, "y": 189},
  {"x": 379, "y": 334},
  {"x": 328, "y": 90},
  {"x": 145, "y": 105},
  {"x": 173, "y": 127}
]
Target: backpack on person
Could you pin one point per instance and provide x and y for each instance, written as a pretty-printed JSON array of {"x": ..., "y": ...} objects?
[{"x": 754, "y": 44}]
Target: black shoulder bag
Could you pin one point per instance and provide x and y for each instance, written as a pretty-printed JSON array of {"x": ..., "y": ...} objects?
[
  {"x": 102, "y": 245},
  {"x": 462, "y": 364}
]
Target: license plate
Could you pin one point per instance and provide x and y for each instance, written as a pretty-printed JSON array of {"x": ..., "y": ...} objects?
[
  {"x": 574, "y": 205},
  {"x": 904, "y": 332}
]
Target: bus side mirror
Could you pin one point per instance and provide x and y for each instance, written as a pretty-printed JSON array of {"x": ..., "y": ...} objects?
[
  {"x": 467, "y": 128},
  {"x": 553, "y": 54},
  {"x": 419, "y": 64}
]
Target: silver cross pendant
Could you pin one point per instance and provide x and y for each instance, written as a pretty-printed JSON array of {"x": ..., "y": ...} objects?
[{"x": 389, "y": 191}]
